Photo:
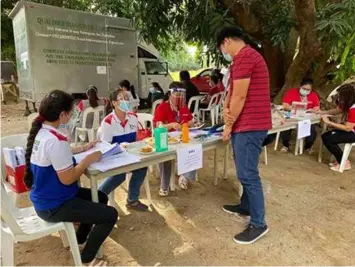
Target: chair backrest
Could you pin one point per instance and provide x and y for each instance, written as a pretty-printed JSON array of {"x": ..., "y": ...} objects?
[
  {"x": 155, "y": 104},
  {"x": 196, "y": 100},
  {"x": 30, "y": 119},
  {"x": 99, "y": 114},
  {"x": 214, "y": 101},
  {"x": 11, "y": 141},
  {"x": 8, "y": 213},
  {"x": 143, "y": 118}
]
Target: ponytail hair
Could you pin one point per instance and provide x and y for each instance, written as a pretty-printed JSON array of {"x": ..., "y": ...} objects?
[
  {"x": 91, "y": 92},
  {"x": 127, "y": 85},
  {"x": 50, "y": 109}
]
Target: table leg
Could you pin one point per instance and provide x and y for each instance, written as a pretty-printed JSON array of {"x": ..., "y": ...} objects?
[
  {"x": 215, "y": 180},
  {"x": 301, "y": 146},
  {"x": 277, "y": 140},
  {"x": 297, "y": 147},
  {"x": 320, "y": 153},
  {"x": 94, "y": 190},
  {"x": 95, "y": 198},
  {"x": 172, "y": 178},
  {"x": 226, "y": 154}
]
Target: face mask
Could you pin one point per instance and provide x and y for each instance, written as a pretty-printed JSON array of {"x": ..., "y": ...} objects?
[
  {"x": 227, "y": 57},
  {"x": 124, "y": 106},
  {"x": 304, "y": 92},
  {"x": 152, "y": 90}
]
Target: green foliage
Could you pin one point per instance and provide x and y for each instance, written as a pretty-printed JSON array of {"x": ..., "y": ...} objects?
[
  {"x": 336, "y": 29},
  {"x": 180, "y": 59}
]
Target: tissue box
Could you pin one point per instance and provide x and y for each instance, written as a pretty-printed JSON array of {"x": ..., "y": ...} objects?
[{"x": 14, "y": 176}]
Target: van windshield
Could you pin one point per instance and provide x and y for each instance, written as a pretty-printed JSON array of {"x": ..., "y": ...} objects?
[{"x": 156, "y": 68}]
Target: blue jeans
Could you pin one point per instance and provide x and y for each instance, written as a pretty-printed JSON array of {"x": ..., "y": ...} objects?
[
  {"x": 137, "y": 179},
  {"x": 246, "y": 150},
  {"x": 165, "y": 174}
]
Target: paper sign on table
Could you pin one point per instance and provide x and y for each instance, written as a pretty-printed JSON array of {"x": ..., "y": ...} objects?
[
  {"x": 189, "y": 158},
  {"x": 304, "y": 129}
]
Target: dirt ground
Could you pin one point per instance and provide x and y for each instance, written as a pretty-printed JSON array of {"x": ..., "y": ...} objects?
[{"x": 310, "y": 212}]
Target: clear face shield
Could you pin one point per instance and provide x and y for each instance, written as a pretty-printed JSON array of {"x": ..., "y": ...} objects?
[{"x": 177, "y": 98}]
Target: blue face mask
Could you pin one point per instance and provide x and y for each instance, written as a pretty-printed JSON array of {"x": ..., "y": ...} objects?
[
  {"x": 227, "y": 57},
  {"x": 304, "y": 92},
  {"x": 124, "y": 106},
  {"x": 152, "y": 90}
]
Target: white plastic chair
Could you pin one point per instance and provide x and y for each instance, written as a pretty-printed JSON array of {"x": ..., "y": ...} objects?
[
  {"x": 30, "y": 119},
  {"x": 11, "y": 141},
  {"x": 211, "y": 108},
  {"x": 346, "y": 153},
  {"x": 219, "y": 106},
  {"x": 98, "y": 113},
  {"x": 145, "y": 118},
  {"x": 196, "y": 100},
  {"x": 155, "y": 104},
  {"x": 21, "y": 225}
]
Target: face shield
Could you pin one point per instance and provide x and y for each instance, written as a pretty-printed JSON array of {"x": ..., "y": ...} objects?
[{"x": 177, "y": 98}]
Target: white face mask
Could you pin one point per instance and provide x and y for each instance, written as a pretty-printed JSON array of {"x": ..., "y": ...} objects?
[
  {"x": 227, "y": 57},
  {"x": 152, "y": 90}
]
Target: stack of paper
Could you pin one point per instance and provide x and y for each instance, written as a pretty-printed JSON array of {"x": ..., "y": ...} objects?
[
  {"x": 106, "y": 149},
  {"x": 115, "y": 161},
  {"x": 14, "y": 157}
]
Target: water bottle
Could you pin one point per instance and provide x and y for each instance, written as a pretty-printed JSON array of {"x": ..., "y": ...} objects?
[
  {"x": 161, "y": 138},
  {"x": 185, "y": 133}
]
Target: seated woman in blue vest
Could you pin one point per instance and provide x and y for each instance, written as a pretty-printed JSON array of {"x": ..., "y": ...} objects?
[{"x": 120, "y": 126}]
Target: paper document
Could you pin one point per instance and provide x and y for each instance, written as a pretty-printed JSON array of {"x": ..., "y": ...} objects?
[
  {"x": 304, "y": 129},
  {"x": 114, "y": 161},
  {"x": 189, "y": 158},
  {"x": 106, "y": 149}
]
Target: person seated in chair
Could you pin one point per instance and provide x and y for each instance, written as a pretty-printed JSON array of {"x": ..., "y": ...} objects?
[
  {"x": 121, "y": 127},
  {"x": 172, "y": 113},
  {"x": 304, "y": 94},
  {"x": 216, "y": 88},
  {"x": 341, "y": 133}
]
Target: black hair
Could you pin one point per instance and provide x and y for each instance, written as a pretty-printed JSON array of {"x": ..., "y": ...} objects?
[
  {"x": 229, "y": 32},
  {"x": 184, "y": 76},
  {"x": 126, "y": 84},
  {"x": 214, "y": 79},
  {"x": 91, "y": 92},
  {"x": 175, "y": 85},
  {"x": 346, "y": 98},
  {"x": 113, "y": 97},
  {"x": 306, "y": 81},
  {"x": 49, "y": 110},
  {"x": 157, "y": 86}
]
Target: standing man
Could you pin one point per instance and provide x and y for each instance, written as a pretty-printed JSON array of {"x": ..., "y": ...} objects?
[{"x": 247, "y": 117}]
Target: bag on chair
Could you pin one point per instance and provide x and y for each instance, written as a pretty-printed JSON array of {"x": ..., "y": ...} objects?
[{"x": 143, "y": 133}]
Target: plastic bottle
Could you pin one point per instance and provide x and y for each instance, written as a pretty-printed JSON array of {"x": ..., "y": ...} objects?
[
  {"x": 185, "y": 133},
  {"x": 161, "y": 138}
]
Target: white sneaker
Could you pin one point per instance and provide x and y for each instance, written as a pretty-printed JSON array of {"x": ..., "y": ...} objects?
[
  {"x": 163, "y": 193},
  {"x": 183, "y": 182},
  {"x": 284, "y": 149}
]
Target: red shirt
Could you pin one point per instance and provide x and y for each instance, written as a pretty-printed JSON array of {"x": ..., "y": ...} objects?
[
  {"x": 217, "y": 89},
  {"x": 293, "y": 95},
  {"x": 165, "y": 114},
  {"x": 351, "y": 116},
  {"x": 256, "y": 113}
]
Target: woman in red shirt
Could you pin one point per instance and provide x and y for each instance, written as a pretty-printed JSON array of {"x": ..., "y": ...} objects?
[
  {"x": 304, "y": 94},
  {"x": 216, "y": 88},
  {"x": 173, "y": 112},
  {"x": 341, "y": 132}
]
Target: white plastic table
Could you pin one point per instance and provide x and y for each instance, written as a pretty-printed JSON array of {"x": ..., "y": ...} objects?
[{"x": 213, "y": 143}]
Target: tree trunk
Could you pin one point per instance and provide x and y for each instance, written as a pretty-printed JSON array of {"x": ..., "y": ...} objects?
[
  {"x": 309, "y": 49},
  {"x": 274, "y": 60}
]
